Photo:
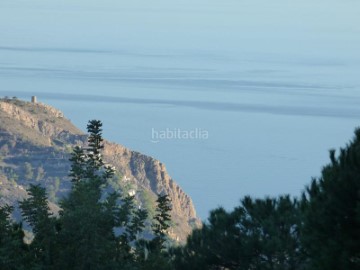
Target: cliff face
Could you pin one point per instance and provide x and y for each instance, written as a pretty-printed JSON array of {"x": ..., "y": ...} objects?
[
  {"x": 35, "y": 144},
  {"x": 151, "y": 175},
  {"x": 37, "y": 123}
]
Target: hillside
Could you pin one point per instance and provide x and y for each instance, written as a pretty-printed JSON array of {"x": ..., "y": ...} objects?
[{"x": 35, "y": 144}]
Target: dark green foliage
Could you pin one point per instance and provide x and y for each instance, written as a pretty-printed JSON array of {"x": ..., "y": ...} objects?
[
  {"x": 86, "y": 237},
  {"x": 331, "y": 232},
  {"x": 35, "y": 209},
  {"x": 95, "y": 145},
  {"x": 162, "y": 221},
  {"x": 137, "y": 224},
  {"x": 36, "y": 212},
  {"x": 89, "y": 219},
  {"x": 155, "y": 254},
  {"x": 77, "y": 171},
  {"x": 259, "y": 234},
  {"x": 13, "y": 251}
]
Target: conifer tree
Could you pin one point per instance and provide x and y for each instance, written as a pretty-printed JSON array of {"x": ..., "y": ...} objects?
[
  {"x": 87, "y": 236},
  {"x": 99, "y": 230},
  {"x": 162, "y": 221},
  {"x": 259, "y": 234},
  {"x": 36, "y": 212},
  {"x": 13, "y": 251},
  {"x": 331, "y": 207},
  {"x": 155, "y": 252}
]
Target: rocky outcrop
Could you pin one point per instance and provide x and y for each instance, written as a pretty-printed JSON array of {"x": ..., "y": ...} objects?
[
  {"x": 152, "y": 175},
  {"x": 18, "y": 114},
  {"x": 41, "y": 136},
  {"x": 36, "y": 120}
]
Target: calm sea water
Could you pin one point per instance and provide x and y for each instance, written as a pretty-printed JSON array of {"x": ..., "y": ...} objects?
[{"x": 274, "y": 84}]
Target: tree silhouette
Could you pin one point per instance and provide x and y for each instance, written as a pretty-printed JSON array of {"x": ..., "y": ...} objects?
[{"x": 331, "y": 206}]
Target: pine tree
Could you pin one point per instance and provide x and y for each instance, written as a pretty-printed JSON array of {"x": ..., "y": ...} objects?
[
  {"x": 259, "y": 234},
  {"x": 155, "y": 252},
  {"x": 36, "y": 212},
  {"x": 87, "y": 236},
  {"x": 162, "y": 221},
  {"x": 99, "y": 230},
  {"x": 331, "y": 207},
  {"x": 13, "y": 251}
]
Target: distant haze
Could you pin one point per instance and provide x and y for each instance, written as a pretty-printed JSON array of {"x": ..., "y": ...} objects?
[{"x": 274, "y": 83}]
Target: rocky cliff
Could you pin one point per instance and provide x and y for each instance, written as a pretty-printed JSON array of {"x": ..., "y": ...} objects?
[{"x": 35, "y": 144}]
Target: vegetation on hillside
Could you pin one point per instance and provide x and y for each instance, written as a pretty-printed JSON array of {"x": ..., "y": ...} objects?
[
  {"x": 36, "y": 142},
  {"x": 97, "y": 229}
]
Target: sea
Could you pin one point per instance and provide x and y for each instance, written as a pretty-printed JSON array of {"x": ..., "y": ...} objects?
[{"x": 235, "y": 97}]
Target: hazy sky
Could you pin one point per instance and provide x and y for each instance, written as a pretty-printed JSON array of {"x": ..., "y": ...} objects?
[{"x": 179, "y": 25}]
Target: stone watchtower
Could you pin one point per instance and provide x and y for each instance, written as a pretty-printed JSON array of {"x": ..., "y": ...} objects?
[{"x": 33, "y": 99}]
